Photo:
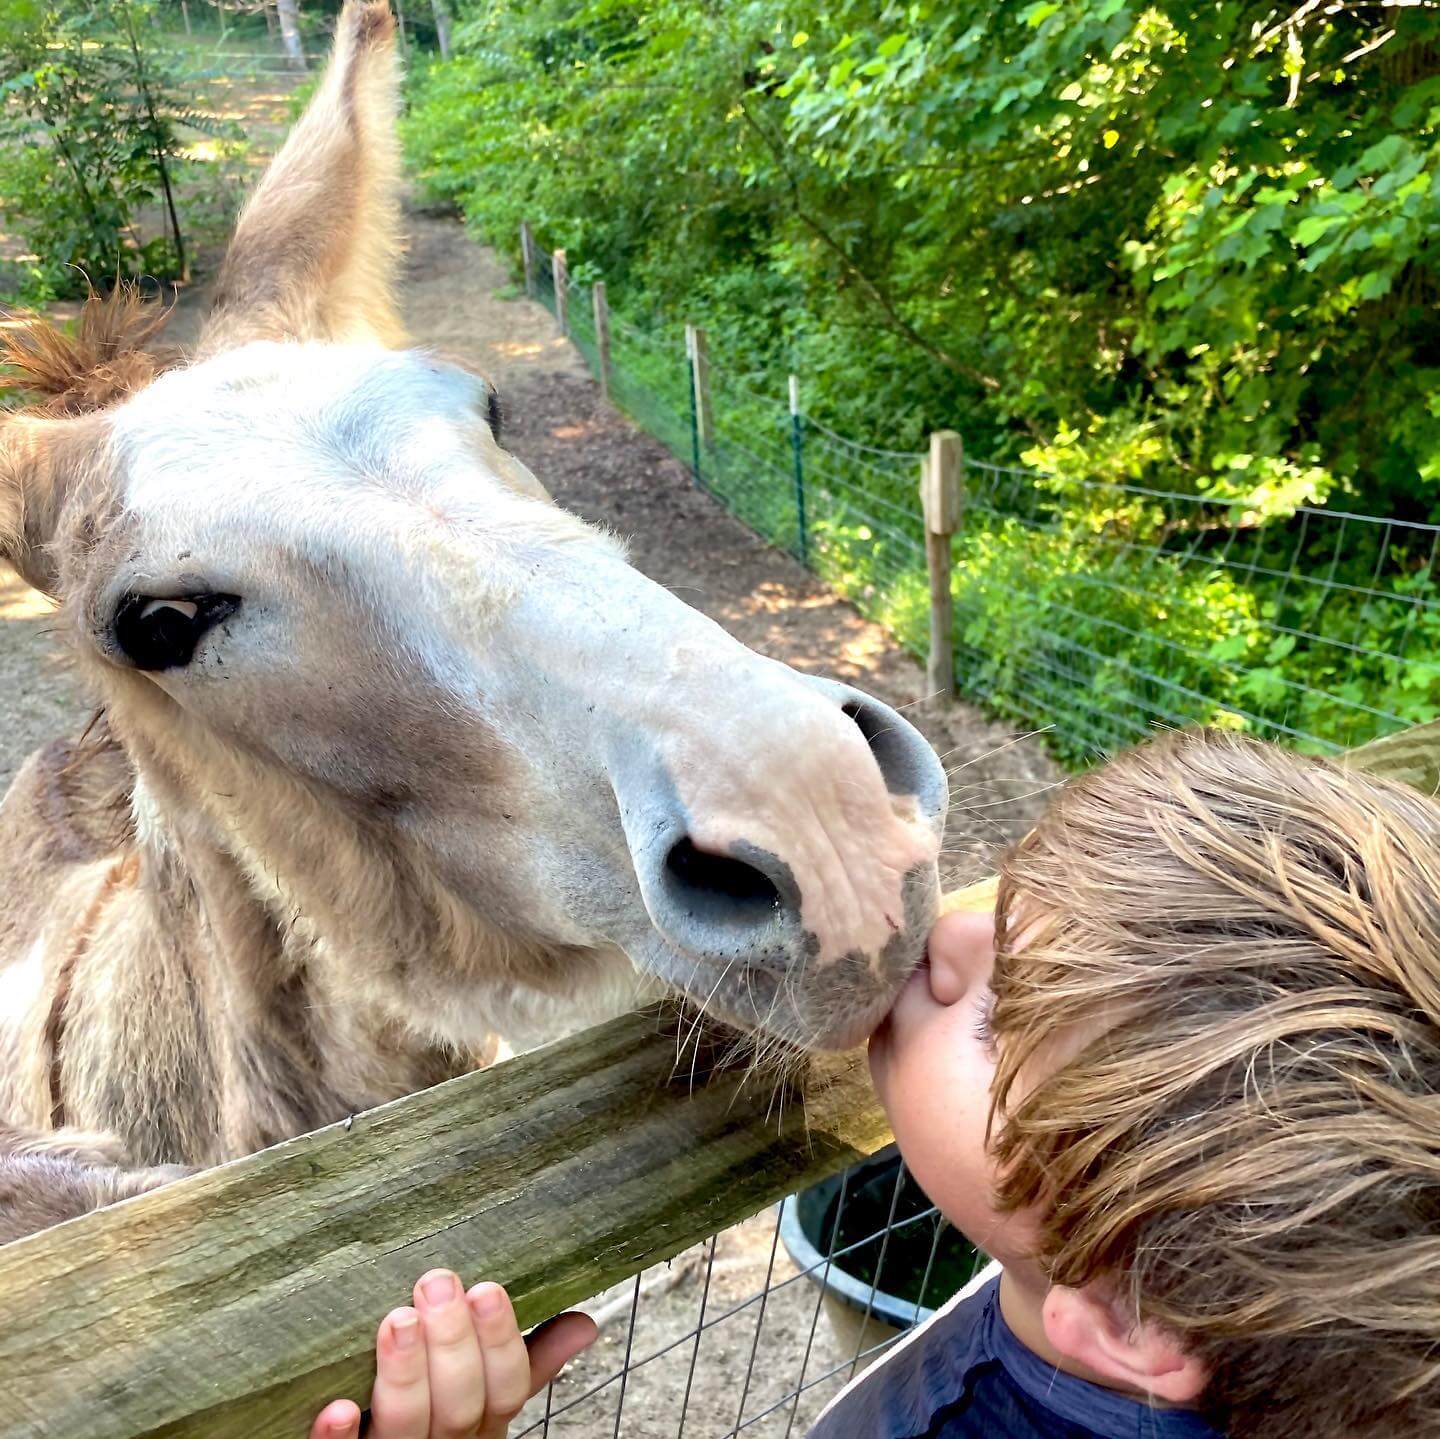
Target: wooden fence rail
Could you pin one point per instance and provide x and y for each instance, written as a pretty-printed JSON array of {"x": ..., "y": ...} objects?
[
  {"x": 235, "y": 1302},
  {"x": 232, "y": 1304}
]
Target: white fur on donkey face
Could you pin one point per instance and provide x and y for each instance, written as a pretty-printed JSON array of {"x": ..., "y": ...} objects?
[{"x": 408, "y": 591}]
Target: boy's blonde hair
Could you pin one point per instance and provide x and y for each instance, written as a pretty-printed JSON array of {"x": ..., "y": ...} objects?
[{"x": 1245, "y": 943}]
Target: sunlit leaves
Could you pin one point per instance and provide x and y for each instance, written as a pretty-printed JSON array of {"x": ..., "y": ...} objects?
[
  {"x": 1192, "y": 235},
  {"x": 86, "y": 126}
]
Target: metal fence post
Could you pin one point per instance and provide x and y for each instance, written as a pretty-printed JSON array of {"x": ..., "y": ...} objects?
[
  {"x": 700, "y": 382},
  {"x": 527, "y": 251},
  {"x": 942, "y": 498},
  {"x": 602, "y": 337},
  {"x": 797, "y": 444},
  {"x": 562, "y": 285},
  {"x": 702, "y": 422}
]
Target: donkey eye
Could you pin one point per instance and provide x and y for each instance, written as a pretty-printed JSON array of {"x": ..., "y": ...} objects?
[{"x": 161, "y": 634}]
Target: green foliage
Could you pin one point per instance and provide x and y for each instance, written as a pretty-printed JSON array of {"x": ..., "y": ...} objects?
[
  {"x": 1178, "y": 247},
  {"x": 92, "y": 144}
]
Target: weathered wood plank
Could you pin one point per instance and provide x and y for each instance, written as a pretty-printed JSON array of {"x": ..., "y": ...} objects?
[
  {"x": 1412, "y": 757},
  {"x": 233, "y": 1303}
]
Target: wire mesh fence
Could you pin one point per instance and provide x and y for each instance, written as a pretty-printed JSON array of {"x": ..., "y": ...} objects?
[
  {"x": 198, "y": 64},
  {"x": 1097, "y": 610},
  {"x": 1093, "y": 610},
  {"x": 756, "y": 1331}
]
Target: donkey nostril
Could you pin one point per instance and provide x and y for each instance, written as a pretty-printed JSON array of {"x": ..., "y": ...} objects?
[
  {"x": 879, "y": 731},
  {"x": 904, "y": 758},
  {"x": 717, "y": 884}
]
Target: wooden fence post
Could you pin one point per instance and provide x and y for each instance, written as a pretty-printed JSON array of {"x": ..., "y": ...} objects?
[
  {"x": 562, "y": 284},
  {"x": 527, "y": 250},
  {"x": 1412, "y": 756},
  {"x": 700, "y": 385},
  {"x": 602, "y": 337},
  {"x": 942, "y": 498}
]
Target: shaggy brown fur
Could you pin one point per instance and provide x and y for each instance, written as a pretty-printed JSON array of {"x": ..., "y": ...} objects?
[
  {"x": 156, "y": 1012},
  {"x": 53, "y": 375},
  {"x": 48, "y": 1178},
  {"x": 106, "y": 356},
  {"x": 45, "y": 466}
]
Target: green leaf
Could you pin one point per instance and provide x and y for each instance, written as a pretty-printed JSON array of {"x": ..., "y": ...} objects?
[
  {"x": 1376, "y": 284},
  {"x": 1312, "y": 227},
  {"x": 1383, "y": 154}
]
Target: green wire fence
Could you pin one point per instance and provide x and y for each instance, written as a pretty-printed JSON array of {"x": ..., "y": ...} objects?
[{"x": 1093, "y": 610}]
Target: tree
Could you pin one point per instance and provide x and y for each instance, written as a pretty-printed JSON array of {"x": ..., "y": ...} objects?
[
  {"x": 289, "y": 11},
  {"x": 1184, "y": 246},
  {"x": 442, "y": 27},
  {"x": 1147, "y": 241},
  {"x": 89, "y": 137}
]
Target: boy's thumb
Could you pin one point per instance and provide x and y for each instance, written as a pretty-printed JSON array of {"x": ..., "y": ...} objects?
[{"x": 554, "y": 1344}]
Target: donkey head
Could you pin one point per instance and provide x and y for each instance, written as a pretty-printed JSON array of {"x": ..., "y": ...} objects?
[{"x": 433, "y": 717}]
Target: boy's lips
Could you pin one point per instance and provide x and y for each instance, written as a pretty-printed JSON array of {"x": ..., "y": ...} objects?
[{"x": 920, "y": 975}]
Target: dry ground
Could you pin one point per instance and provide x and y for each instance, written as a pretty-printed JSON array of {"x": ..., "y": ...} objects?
[{"x": 458, "y": 298}]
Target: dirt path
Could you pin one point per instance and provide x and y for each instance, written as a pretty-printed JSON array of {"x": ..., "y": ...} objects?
[
  {"x": 458, "y": 298},
  {"x": 596, "y": 462}
]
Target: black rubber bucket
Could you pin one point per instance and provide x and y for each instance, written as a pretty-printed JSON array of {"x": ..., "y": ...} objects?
[{"x": 883, "y": 1275}]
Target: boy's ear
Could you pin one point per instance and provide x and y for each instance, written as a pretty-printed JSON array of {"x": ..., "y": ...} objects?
[{"x": 1089, "y": 1327}]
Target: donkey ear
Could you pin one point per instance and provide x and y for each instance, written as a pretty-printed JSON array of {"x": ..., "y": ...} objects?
[
  {"x": 43, "y": 464},
  {"x": 314, "y": 252}
]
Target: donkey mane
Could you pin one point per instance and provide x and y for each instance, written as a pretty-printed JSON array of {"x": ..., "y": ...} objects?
[{"x": 105, "y": 357}]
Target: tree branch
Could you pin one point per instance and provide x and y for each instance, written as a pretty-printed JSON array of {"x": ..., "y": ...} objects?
[{"x": 872, "y": 287}]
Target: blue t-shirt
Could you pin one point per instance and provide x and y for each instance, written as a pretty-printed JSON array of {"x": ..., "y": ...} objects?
[{"x": 963, "y": 1373}]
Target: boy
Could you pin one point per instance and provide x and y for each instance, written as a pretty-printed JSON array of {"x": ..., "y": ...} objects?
[{"x": 1190, "y": 1073}]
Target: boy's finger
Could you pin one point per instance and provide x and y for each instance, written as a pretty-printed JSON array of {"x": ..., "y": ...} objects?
[
  {"x": 507, "y": 1362},
  {"x": 400, "y": 1403},
  {"x": 452, "y": 1352},
  {"x": 553, "y": 1345},
  {"x": 340, "y": 1419}
]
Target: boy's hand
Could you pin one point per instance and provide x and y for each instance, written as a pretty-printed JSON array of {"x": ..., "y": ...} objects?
[{"x": 455, "y": 1365}]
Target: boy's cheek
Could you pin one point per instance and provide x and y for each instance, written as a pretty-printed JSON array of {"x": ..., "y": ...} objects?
[{"x": 933, "y": 1080}]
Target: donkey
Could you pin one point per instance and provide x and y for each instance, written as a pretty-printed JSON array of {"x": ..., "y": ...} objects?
[{"x": 396, "y": 756}]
